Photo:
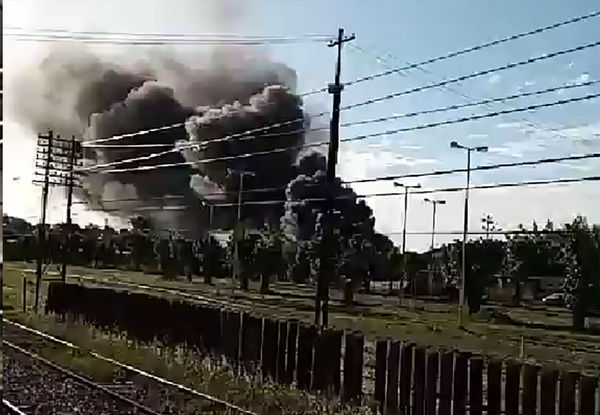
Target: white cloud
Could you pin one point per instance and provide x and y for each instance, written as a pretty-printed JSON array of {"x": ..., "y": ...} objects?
[
  {"x": 508, "y": 125},
  {"x": 494, "y": 79}
]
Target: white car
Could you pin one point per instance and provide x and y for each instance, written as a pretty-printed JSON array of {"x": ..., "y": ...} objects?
[{"x": 556, "y": 299}]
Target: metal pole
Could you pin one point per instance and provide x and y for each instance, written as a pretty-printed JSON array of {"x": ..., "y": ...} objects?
[
  {"x": 237, "y": 231},
  {"x": 322, "y": 294},
  {"x": 404, "y": 273},
  {"x": 434, "y": 203},
  {"x": 68, "y": 230},
  {"x": 42, "y": 229},
  {"x": 462, "y": 296}
]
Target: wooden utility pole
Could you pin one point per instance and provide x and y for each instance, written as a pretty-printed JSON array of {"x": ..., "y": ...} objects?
[
  {"x": 322, "y": 294},
  {"x": 74, "y": 153},
  {"x": 55, "y": 161},
  {"x": 46, "y": 158}
]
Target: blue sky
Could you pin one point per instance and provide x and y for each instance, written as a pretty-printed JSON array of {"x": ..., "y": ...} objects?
[{"x": 399, "y": 32}]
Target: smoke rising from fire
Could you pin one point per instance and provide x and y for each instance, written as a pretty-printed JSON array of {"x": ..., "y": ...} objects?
[{"x": 76, "y": 92}]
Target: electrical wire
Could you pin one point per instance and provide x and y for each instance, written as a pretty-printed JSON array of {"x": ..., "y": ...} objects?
[
  {"x": 478, "y": 168},
  {"x": 374, "y": 100},
  {"x": 350, "y": 139},
  {"x": 461, "y": 94},
  {"x": 167, "y": 35},
  {"x": 378, "y": 120},
  {"x": 476, "y": 48},
  {"x": 389, "y": 178},
  {"x": 387, "y": 194},
  {"x": 156, "y": 41},
  {"x": 470, "y": 76},
  {"x": 472, "y": 104}
]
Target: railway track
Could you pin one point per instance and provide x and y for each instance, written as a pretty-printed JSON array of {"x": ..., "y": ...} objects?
[
  {"x": 29, "y": 389},
  {"x": 9, "y": 408}
]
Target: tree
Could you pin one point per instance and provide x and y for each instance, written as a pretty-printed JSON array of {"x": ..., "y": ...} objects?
[
  {"x": 532, "y": 253},
  {"x": 484, "y": 259},
  {"x": 581, "y": 258}
]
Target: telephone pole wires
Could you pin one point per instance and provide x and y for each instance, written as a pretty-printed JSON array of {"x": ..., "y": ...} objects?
[
  {"x": 322, "y": 294},
  {"x": 56, "y": 166}
]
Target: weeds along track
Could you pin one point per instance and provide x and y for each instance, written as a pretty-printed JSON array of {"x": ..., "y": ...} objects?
[{"x": 35, "y": 384}]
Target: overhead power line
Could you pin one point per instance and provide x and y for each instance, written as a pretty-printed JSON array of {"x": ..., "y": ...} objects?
[
  {"x": 474, "y": 117},
  {"x": 387, "y": 178},
  {"x": 132, "y": 39},
  {"x": 478, "y": 168},
  {"x": 461, "y": 94},
  {"x": 350, "y": 139},
  {"x": 370, "y": 101},
  {"x": 165, "y": 35},
  {"x": 473, "y": 104},
  {"x": 471, "y": 76},
  {"x": 385, "y": 194},
  {"x": 476, "y": 48},
  {"x": 374, "y": 120}
]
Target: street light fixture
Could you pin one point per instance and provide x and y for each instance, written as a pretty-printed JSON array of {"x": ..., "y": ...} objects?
[
  {"x": 407, "y": 188},
  {"x": 434, "y": 203},
  {"x": 478, "y": 149}
]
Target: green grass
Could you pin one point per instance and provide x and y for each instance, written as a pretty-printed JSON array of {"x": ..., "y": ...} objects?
[
  {"x": 176, "y": 364},
  {"x": 537, "y": 334}
]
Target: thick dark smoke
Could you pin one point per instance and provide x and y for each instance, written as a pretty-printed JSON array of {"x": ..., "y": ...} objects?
[{"x": 77, "y": 92}]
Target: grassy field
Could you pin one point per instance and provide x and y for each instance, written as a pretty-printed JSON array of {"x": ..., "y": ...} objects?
[
  {"x": 178, "y": 365},
  {"x": 535, "y": 334}
]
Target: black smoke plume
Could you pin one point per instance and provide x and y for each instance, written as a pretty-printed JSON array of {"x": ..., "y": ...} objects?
[{"x": 75, "y": 92}]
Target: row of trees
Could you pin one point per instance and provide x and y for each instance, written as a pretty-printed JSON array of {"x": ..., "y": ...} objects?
[
  {"x": 571, "y": 251},
  {"x": 361, "y": 255}
]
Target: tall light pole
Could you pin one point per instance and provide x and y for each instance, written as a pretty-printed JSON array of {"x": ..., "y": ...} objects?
[
  {"x": 406, "y": 188},
  {"x": 469, "y": 150},
  {"x": 434, "y": 203}
]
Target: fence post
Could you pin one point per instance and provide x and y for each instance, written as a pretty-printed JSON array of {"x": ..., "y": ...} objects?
[
  {"x": 281, "y": 349},
  {"x": 446, "y": 372},
  {"x": 306, "y": 339},
  {"x": 568, "y": 382},
  {"x": 406, "y": 370},
  {"x": 353, "y": 368},
  {"x": 393, "y": 361},
  {"x": 512, "y": 388},
  {"x": 549, "y": 386},
  {"x": 461, "y": 376},
  {"x": 291, "y": 351},
  {"x": 494, "y": 385},
  {"x": 476, "y": 386},
  {"x": 431, "y": 382},
  {"x": 381, "y": 350},
  {"x": 418, "y": 400},
  {"x": 269, "y": 348},
  {"x": 530, "y": 386},
  {"x": 320, "y": 362},
  {"x": 587, "y": 396},
  {"x": 336, "y": 360}
]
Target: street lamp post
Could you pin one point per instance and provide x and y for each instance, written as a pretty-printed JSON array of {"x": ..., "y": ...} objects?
[
  {"x": 479, "y": 149},
  {"x": 406, "y": 188},
  {"x": 434, "y": 203}
]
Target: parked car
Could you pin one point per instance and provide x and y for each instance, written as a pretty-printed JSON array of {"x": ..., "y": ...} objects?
[{"x": 555, "y": 299}]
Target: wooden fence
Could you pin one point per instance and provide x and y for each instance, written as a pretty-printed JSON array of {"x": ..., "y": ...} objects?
[{"x": 407, "y": 379}]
